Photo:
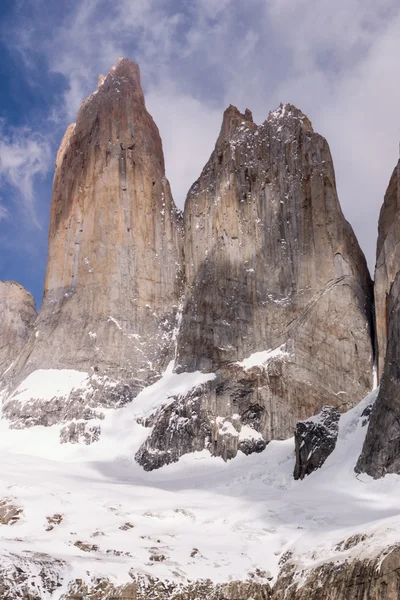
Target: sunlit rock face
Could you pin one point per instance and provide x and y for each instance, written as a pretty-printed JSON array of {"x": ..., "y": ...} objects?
[
  {"x": 18, "y": 314},
  {"x": 387, "y": 260},
  {"x": 113, "y": 279},
  {"x": 271, "y": 267}
]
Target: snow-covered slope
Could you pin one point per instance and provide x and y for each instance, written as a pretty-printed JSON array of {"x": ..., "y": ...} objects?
[{"x": 92, "y": 511}]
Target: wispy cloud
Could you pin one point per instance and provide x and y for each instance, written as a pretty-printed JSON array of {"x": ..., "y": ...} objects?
[
  {"x": 24, "y": 157},
  {"x": 4, "y": 214}
]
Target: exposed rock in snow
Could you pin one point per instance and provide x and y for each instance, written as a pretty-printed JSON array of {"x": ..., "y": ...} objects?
[
  {"x": 177, "y": 429},
  {"x": 95, "y": 523},
  {"x": 315, "y": 439},
  {"x": 369, "y": 578},
  {"x": 30, "y": 576},
  {"x": 50, "y": 396},
  {"x": 9, "y": 512},
  {"x": 144, "y": 588},
  {"x": 80, "y": 432}
]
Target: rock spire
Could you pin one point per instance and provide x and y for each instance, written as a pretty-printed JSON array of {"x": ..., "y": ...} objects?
[{"x": 113, "y": 279}]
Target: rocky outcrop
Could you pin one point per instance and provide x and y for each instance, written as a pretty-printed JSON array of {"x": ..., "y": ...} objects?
[
  {"x": 144, "y": 588},
  {"x": 387, "y": 261},
  {"x": 278, "y": 298},
  {"x": 113, "y": 279},
  {"x": 18, "y": 314},
  {"x": 188, "y": 424},
  {"x": 374, "y": 578},
  {"x": 361, "y": 578},
  {"x": 381, "y": 449},
  {"x": 315, "y": 439},
  {"x": 30, "y": 576},
  {"x": 10, "y": 513}
]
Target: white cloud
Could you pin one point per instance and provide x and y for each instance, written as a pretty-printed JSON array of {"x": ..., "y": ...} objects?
[
  {"x": 346, "y": 76},
  {"x": 24, "y": 156},
  {"x": 188, "y": 129}
]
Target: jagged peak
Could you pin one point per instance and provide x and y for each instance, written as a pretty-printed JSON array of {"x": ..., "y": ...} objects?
[
  {"x": 289, "y": 112},
  {"x": 233, "y": 111},
  {"x": 233, "y": 119},
  {"x": 124, "y": 67},
  {"x": 124, "y": 72}
]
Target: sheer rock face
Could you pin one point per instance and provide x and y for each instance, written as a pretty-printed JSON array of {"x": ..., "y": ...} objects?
[
  {"x": 387, "y": 260},
  {"x": 113, "y": 275},
  {"x": 271, "y": 264},
  {"x": 18, "y": 314},
  {"x": 381, "y": 450}
]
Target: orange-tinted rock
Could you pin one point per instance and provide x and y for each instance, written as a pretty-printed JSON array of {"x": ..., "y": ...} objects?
[{"x": 113, "y": 276}]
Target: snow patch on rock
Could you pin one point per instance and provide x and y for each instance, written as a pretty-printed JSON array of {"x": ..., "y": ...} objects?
[
  {"x": 47, "y": 384},
  {"x": 259, "y": 359}
]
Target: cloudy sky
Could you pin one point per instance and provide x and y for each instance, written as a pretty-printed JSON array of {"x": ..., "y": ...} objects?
[{"x": 337, "y": 61}]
